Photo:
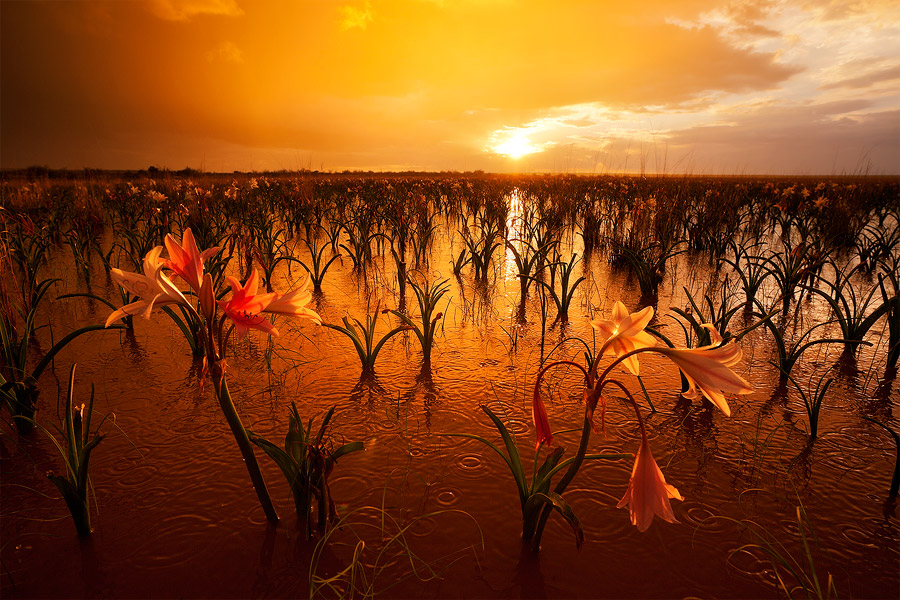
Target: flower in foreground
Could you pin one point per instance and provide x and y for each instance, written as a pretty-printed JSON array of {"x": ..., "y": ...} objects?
[
  {"x": 186, "y": 260},
  {"x": 708, "y": 372},
  {"x": 648, "y": 493},
  {"x": 624, "y": 333},
  {"x": 245, "y": 306},
  {"x": 294, "y": 303},
  {"x": 152, "y": 288}
]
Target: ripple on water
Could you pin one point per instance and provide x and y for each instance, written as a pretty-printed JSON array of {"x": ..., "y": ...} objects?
[
  {"x": 423, "y": 526},
  {"x": 470, "y": 466},
  {"x": 347, "y": 487},
  {"x": 130, "y": 476},
  {"x": 183, "y": 536},
  {"x": 150, "y": 497},
  {"x": 447, "y": 496},
  {"x": 518, "y": 427},
  {"x": 752, "y": 562},
  {"x": 703, "y": 517},
  {"x": 857, "y": 536},
  {"x": 196, "y": 427},
  {"x": 606, "y": 522}
]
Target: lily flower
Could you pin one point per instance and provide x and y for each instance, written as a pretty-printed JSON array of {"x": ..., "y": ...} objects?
[
  {"x": 294, "y": 303},
  {"x": 152, "y": 287},
  {"x": 245, "y": 305},
  {"x": 708, "y": 372},
  {"x": 186, "y": 260},
  {"x": 625, "y": 333},
  {"x": 648, "y": 493},
  {"x": 540, "y": 418}
]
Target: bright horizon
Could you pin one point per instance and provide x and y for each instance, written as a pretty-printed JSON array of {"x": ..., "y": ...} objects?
[{"x": 694, "y": 87}]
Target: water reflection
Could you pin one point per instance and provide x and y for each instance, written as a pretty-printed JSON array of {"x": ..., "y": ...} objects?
[{"x": 368, "y": 388}]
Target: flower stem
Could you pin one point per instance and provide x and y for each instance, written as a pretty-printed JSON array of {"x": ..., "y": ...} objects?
[
  {"x": 243, "y": 442},
  {"x": 566, "y": 479}
]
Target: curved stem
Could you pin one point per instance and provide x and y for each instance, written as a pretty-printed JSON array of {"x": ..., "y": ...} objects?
[
  {"x": 545, "y": 368},
  {"x": 243, "y": 441},
  {"x": 621, "y": 358}
]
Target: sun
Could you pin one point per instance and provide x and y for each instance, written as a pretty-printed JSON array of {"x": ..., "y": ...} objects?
[{"x": 516, "y": 146}]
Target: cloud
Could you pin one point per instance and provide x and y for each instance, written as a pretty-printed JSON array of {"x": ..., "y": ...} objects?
[
  {"x": 226, "y": 52},
  {"x": 591, "y": 82},
  {"x": 883, "y": 75},
  {"x": 185, "y": 10},
  {"x": 356, "y": 17}
]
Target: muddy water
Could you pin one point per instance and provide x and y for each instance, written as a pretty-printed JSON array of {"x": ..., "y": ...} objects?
[{"x": 426, "y": 514}]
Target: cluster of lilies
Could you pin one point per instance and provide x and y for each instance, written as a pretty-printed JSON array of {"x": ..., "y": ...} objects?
[
  {"x": 242, "y": 312},
  {"x": 706, "y": 369}
]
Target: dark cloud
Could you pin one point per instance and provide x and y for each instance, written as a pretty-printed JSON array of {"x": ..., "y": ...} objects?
[{"x": 867, "y": 79}]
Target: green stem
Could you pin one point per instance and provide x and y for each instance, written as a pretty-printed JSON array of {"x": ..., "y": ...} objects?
[
  {"x": 566, "y": 479},
  {"x": 243, "y": 442}
]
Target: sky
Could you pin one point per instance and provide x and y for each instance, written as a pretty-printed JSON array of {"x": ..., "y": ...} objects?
[{"x": 778, "y": 87}]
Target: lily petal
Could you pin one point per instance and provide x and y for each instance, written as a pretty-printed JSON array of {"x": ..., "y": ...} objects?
[{"x": 648, "y": 493}]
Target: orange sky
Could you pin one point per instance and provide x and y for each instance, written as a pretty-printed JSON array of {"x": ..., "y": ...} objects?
[{"x": 500, "y": 85}]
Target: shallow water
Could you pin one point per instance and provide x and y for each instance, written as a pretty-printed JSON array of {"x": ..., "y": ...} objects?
[{"x": 176, "y": 515}]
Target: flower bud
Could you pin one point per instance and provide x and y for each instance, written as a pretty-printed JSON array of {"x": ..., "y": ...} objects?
[{"x": 208, "y": 297}]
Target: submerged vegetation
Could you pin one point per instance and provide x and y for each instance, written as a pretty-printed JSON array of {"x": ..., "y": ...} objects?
[{"x": 803, "y": 266}]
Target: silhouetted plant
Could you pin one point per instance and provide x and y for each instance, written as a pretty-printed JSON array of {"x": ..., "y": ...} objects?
[
  {"x": 562, "y": 298},
  {"x": 18, "y": 385},
  {"x": 849, "y": 309},
  {"x": 307, "y": 462},
  {"x": 363, "y": 338},
  {"x": 813, "y": 403},
  {"x": 427, "y": 297},
  {"x": 75, "y": 447},
  {"x": 750, "y": 268},
  {"x": 317, "y": 270}
]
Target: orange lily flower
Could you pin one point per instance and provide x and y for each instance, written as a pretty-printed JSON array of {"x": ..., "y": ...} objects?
[
  {"x": 186, "y": 260},
  {"x": 708, "y": 373},
  {"x": 625, "y": 333},
  {"x": 152, "y": 287},
  {"x": 648, "y": 493},
  {"x": 245, "y": 305}
]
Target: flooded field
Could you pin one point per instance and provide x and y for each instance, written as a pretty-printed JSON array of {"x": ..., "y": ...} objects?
[{"x": 785, "y": 489}]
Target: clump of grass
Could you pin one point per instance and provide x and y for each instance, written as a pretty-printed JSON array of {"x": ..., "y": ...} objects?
[
  {"x": 813, "y": 403},
  {"x": 383, "y": 548},
  {"x": 796, "y": 573}
]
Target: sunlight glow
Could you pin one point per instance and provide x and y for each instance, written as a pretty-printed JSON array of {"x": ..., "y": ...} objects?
[{"x": 516, "y": 146}]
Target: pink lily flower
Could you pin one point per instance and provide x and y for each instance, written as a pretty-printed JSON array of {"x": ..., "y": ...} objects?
[
  {"x": 708, "y": 371},
  {"x": 186, "y": 260},
  {"x": 648, "y": 493},
  {"x": 152, "y": 287},
  {"x": 245, "y": 305},
  {"x": 294, "y": 303},
  {"x": 625, "y": 333}
]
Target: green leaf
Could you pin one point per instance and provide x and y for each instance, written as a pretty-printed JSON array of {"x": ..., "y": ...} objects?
[{"x": 560, "y": 505}]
